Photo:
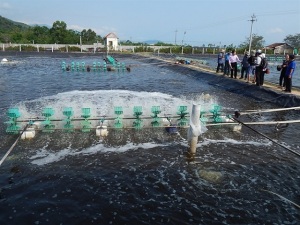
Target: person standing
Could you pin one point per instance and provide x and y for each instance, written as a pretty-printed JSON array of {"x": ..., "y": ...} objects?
[
  {"x": 264, "y": 66},
  {"x": 258, "y": 67},
  {"x": 283, "y": 70},
  {"x": 251, "y": 61},
  {"x": 289, "y": 74},
  {"x": 233, "y": 60},
  {"x": 245, "y": 66},
  {"x": 226, "y": 67},
  {"x": 220, "y": 61}
]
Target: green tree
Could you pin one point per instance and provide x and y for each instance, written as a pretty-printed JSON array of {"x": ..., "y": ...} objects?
[
  {"x": 5, "y": 38},
  {"x": 160, "y": 43},
  {"x": 258, "y": 42},
  {"x": 88, "y": 36},
  {"x": 72, "y": 37},
  {"x": 99, "y": 39},
  {"x": 40, "y": 35},
  {"x": 16, "y": 37},
  {"x": 59, "y": 32},
  {"x": 230, "y": 48},
  {"x": 128, "y": 42},
  {"x": 293, "y": 40}
]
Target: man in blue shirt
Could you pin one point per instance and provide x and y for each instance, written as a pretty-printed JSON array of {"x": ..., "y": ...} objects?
[
  {"x": 289, "y": 74},
  {"x": 226, "y": 68},
  {"x": 220, "y": 61}
]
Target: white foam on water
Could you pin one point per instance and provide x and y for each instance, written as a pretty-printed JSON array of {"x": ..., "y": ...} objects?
[
  {"x": 233, "y": 141},
  {"x": 43, "y": 156},
  {"x": 207, "y": 142},
  {"x": 103, "y": 103}
]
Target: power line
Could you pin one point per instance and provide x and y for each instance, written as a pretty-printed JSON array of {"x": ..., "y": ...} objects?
[{"x": 278, "y": 13}]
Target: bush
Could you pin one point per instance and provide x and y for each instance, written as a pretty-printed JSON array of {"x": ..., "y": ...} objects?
[{"x": 74, "y": 49}]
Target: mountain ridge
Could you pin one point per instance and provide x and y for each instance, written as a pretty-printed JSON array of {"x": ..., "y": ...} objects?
[{"x": 7, "y": 25}]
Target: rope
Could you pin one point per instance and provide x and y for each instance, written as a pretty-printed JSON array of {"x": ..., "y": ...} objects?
[
  {"x": 14, "y": 144},
  {"x": 265, "y": 136},
  {"x": 282, "y": 197},
  {"x": 271, "y": 100}
]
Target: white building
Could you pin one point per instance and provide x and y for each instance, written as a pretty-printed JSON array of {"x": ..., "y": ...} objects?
[{"x": 111, "y": 41}]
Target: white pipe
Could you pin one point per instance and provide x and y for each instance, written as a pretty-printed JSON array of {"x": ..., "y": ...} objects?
[
  {"x": 195, "y": 129},
  {"x": 37, "y": 128},
  {"x": 267, "y": 110},
  {"x": 255, "y": 123}
]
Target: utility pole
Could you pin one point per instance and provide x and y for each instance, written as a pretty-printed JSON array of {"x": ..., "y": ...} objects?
[
  {"x": 182, "y": 42},
  {"x": 253, "y": 18},
  {"x": 80, "y": 43},
  {"x": 183, "y": 37},
  {"x": 175, "y": 35}
]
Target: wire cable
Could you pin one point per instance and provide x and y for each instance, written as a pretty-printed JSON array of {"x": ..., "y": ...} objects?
[
  {"x": 265, "y": 136},
  {"x": 14, "y": 144}
]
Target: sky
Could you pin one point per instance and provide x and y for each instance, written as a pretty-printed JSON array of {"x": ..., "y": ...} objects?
[{"x": 189, "y": 22}]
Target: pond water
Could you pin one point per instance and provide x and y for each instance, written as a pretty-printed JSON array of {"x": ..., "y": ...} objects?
[{"x": 140, "y": 176}]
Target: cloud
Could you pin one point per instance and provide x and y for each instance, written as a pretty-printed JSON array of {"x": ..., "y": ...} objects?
[
  {"x": 276, "y": 30},
  {"x": 4, "y": 5},
  {"x": 75, "y": 27}
]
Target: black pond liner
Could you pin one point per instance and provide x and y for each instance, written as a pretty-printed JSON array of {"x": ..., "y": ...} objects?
[{"x": 259, "y": 93}]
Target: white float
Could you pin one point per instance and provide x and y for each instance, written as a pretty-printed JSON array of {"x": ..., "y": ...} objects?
[
  {"x": 4, "y": 60},
  {"x": 29, "y": 133},
  {"x": 101, "y": 131},
  {"x": 237, "y": 127}
]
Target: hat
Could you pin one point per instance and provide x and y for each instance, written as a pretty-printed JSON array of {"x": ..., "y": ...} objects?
[
  {"x": 292, "y": 56},
  {"x": 258, "y": 51}
]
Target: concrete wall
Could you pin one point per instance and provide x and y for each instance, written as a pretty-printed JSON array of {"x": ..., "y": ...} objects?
[
  {"x": 93, "y": 47},
  {"x": 51, "y": 47}
]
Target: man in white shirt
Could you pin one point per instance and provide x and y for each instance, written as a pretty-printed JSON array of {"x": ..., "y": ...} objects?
[{"x": 233, "y": 60}]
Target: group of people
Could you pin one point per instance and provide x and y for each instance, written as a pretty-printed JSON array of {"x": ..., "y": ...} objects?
[
  {"x": 287, "y": 70},
  {"x": 256, "y": 64}
]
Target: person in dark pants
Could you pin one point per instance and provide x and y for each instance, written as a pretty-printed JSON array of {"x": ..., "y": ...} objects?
[
  {"x": 262, "y": 70},
  {"x": 220, "y": 61},
  {"x": 226, "y": 67},
  {"x": 233, "y": 60},
  {"x": 283, "y": 70},
  {"x": 251, "y": 61},
  {"x": 289, "y": 74},
  {"x": 258, "y": 68},
  {"x": 245, "y": 66}
]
